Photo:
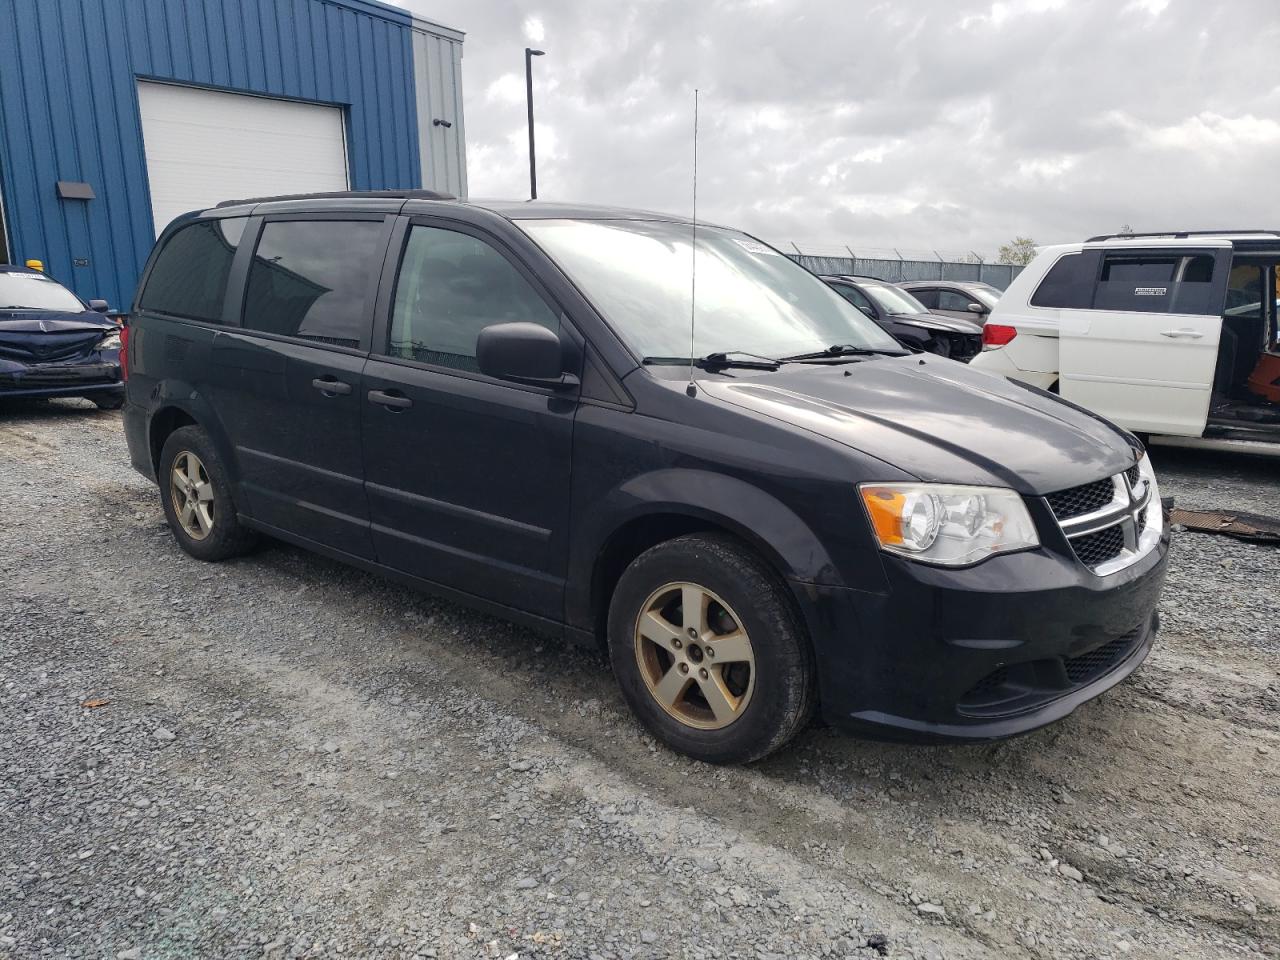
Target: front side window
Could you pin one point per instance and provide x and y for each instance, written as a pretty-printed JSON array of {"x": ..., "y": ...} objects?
[
  {"x": 750, "y": 298},
  {"x": 34, "y": 291},
  {"x": 950, "y": 300},
  {"x": 1244, "y": 291},
  {"x": 451, "y": 286},
  {"x": 189, "y": 277},
  {"x": 310, "y": 279},
  {"x": 927, "y": 296}
]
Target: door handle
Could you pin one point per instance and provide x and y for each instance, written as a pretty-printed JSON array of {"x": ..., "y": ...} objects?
[
  {"x": 331, "y": 387},
  {"x": 1185, "y": 333},
  {"x": 391, "y": 400}
]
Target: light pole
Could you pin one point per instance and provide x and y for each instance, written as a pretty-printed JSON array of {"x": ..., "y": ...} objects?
[{"x": 529, "y": 54}]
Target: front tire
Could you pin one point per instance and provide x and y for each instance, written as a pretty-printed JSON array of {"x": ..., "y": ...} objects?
[
  {"x": 196, "y": 494},
  {"x": 708, "y": 651},
  {"x": 112, "y": 402}
]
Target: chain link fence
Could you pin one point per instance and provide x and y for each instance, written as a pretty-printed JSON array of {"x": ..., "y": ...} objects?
[{"x": 896, "y": 266}]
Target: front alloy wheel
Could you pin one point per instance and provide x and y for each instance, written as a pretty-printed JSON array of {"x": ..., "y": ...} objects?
[
  {"x": 694, "y": 656},
  {"x": 192, "y": 495}
]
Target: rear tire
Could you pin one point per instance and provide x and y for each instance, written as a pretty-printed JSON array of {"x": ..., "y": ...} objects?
[
  {"x": 196, "y": 494},
  {"x": 737, "y": 687},
  {"x": 108, "y": 403}
]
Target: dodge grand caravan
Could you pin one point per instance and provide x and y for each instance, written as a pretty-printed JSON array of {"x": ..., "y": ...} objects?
[{"x": 748, "y": 493}]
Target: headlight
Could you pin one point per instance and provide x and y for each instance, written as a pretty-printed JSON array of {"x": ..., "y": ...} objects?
[
  {"x": 948, "y": 525},
  {"x": 110, "y": 342}
]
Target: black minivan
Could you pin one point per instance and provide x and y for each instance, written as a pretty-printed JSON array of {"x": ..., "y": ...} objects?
[{"x": 725, "y": 473}]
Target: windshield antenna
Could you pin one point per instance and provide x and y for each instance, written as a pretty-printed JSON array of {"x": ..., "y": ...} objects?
[{"x": 692, "y": 390}]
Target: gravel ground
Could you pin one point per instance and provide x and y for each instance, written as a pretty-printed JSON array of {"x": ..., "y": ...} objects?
[{"x": 282, "y": 757}]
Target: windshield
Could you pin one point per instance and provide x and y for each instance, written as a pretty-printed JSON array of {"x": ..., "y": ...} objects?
[
  {"x": 34, "y": 291},
  {"x": 990, "y": 297},
  {"x": 750, "y": 298},
  {"x": 892, "y": 299}
]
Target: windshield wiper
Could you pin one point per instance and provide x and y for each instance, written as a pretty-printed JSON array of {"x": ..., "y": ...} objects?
[
  {"x": 721, "y": 360},
  {"x": 847, "y": 350}
]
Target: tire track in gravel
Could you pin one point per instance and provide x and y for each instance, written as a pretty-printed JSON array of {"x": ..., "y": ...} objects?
[{"x": 832, "y": 832}]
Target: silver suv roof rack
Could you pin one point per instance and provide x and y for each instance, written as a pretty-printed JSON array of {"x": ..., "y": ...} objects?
[{"x": 1180, "y": 234}]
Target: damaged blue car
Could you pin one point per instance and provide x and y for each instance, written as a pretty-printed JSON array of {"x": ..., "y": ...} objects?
[{"x": 53, "y": 344}]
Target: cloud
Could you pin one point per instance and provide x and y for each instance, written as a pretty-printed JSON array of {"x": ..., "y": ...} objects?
[{"x": 938, "y": 124}]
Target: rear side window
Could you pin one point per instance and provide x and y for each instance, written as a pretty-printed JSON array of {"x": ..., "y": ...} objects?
[
  {"x": 189, "y": 277},
  {"x": 1068, "y": 285},
  {"x": 451, "y": 286},
  {"x": 311, "y": 279},
  {"x": 1147, "y": 283}
]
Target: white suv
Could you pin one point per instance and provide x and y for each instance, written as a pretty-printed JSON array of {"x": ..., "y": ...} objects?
[{"x": 1172, "y": 335}]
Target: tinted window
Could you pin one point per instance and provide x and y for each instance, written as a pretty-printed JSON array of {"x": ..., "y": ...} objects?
[
  {"x": 452, "y": 286},
  {"x": 1068, "y": 284},
  {"x": 926, "y": 295},
  {"x": 855, "y": 296},
  {"x": 1150, "y": 283},
  {"x": 950, "y": 300},
  {"x": 311, "y": 278},
  {"x": 189, "y": 277}
]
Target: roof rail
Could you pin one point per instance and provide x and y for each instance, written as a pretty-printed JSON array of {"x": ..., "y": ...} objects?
[
  {"x": 1179, "y": 234},
  {"x": 347, "y": 194}
]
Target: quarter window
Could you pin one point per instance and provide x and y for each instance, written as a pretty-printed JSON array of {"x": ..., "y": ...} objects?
[
  {"x": 451, "y": 286},
  {"x": 311, "y": 279},
  {"x": 1068, "y": 285},
  {"x": 189, "y": 277}
]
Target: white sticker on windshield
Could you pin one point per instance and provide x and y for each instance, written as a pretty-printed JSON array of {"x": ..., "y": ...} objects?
[
  {"x": 30, "y": 276},
  {"x": 754, "y": 246}
]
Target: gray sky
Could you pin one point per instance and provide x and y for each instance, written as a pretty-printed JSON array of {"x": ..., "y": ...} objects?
[{"x": 920, "y": 124}]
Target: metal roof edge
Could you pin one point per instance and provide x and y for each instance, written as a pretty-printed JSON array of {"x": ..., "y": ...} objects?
[
  {"x": 423, "y": 25},
  {"x": 375, "y": 8}
]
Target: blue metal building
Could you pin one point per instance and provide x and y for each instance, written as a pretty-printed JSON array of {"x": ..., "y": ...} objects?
[{"x": 115, "y": 114}]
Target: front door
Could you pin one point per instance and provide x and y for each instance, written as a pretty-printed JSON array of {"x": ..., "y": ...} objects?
[
  {"x": 288, "y": 380},
  {"x": 1143, "y": 354},
  {"x": 467, "y": 476}
]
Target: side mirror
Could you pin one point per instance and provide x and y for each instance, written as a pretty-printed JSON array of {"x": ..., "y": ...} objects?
[
  {"x": 523, "y": 352},
  {"x": 99, "y": 306},
  {"x": 978, "y": 308}
]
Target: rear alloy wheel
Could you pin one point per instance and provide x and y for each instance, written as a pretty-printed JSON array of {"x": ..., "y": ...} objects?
[
  {"x": 694, "y": 656},
  {"x": 708, "y": 650},
  {"x": 192, "y": 495},
  {"x": 196, "y": 495}
]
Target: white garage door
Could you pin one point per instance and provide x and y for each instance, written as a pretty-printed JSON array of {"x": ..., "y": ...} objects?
[{"x": 206, "y": 146}]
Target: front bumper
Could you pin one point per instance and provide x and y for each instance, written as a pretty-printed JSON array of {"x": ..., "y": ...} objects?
[
  {"x": 982, "y": 653},
  {"x": 69, "y": 379}
]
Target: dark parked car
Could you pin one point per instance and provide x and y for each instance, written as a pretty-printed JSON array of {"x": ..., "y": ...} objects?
[
  {"x": 52, "y": 344},
  {"x": 963, "y": 299},
  {"x": 908, "y": 321},
  {"x": 500, "y": 403}
]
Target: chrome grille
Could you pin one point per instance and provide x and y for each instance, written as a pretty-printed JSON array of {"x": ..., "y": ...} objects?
[
  {"x": 1094, "y": 549},
  {"x": 1106, "y": 520},
  {"x": 1081, "y": 500}
]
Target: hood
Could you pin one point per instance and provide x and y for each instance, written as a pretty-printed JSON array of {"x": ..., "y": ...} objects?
[
  {"x": 940, "y": 420},
  {"x": 40, "y": 335},
  {"x": 935, "y": 322}
]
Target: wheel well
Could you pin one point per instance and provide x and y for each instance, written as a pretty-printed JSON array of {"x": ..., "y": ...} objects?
[
  {"x": 162, "y": 425},
  {"x": 636, "y": 536}
]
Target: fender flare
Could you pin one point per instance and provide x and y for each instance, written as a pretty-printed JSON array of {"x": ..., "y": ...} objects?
[{"x": 762, "y": 521}]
